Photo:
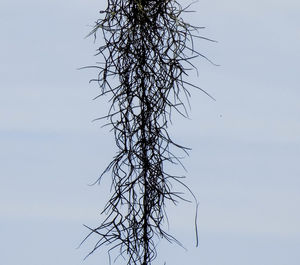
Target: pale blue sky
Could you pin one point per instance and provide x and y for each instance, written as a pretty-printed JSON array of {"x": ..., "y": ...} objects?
[{"x": 244, "y": 166}]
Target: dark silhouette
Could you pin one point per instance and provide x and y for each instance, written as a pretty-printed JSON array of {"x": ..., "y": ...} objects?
[{"x": 146, "y": 46}]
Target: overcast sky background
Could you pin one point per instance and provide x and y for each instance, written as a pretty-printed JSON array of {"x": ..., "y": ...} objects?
[{"x": 244, "y": 166}]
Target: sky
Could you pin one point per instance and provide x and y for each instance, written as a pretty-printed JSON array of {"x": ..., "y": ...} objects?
[{"x": 244, "y": 164}]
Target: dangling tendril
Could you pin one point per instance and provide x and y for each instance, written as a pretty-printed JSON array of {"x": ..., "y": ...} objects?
[{"x": 146, "y": 46}]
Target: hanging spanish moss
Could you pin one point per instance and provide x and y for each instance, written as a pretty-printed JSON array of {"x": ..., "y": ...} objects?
[{"x": 149, "y": 48}]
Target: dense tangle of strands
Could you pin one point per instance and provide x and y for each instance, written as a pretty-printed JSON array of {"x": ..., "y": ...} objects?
[{"x": 146, "y": 46}]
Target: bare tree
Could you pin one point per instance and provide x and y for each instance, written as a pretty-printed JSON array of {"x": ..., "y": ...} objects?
[{"x": 149, "y": 48}]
